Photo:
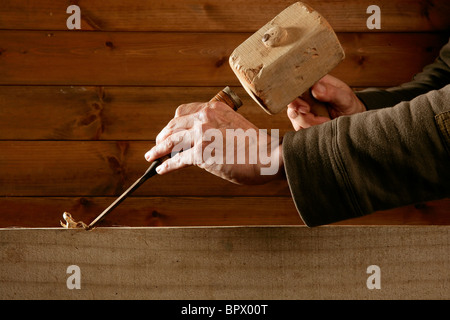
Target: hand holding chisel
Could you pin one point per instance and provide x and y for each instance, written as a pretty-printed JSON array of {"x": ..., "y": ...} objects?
[{"x": 226, "y": 96}]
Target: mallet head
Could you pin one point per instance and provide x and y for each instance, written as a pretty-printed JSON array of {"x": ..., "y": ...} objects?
[{"x": 286, "y": 57}]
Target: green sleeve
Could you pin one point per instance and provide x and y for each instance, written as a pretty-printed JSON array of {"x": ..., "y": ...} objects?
[{"x": 376, "y": 160}]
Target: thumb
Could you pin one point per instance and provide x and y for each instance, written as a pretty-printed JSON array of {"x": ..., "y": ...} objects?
[
  {"x": 295, "y": 110},
  {"x": 327, "y": 92}
]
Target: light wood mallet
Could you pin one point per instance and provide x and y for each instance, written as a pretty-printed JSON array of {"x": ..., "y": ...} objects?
[{"x": 284, "y": 58}]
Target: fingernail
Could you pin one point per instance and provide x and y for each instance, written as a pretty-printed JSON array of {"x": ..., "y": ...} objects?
[
  {"x": 292, "y": 113},
  {"x": 318, "y": 88},
  {"x": 159, "y": 169},
  {"x": 147, "y": 155}
]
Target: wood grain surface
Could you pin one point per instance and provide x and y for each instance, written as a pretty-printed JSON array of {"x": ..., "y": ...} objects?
[
  {"x": 107, "y": 113},
  {"x": 261, "y": 263},
  {"x": 70, "y": 168},
  {"x": 79, "y": 108},
  {"x": 190, "y": 59},
  {"x": 179, "y": 211},
  {"x": 218, "y": 15}
]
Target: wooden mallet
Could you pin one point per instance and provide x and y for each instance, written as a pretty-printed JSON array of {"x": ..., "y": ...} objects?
[{"x": 284, "y": 58}]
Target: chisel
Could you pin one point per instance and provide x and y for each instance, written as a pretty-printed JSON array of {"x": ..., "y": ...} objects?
[{"x": 226, "y": 96}]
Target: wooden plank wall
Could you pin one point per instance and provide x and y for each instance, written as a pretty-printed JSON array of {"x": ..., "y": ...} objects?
[{"x": 79, "y": 108}]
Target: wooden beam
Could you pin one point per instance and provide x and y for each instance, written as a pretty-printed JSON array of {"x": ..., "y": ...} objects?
[
  {"x": 90, "y": 168},
  {"x": 219, "y": 15},
  {"x": 190, "y": 59},
  {"x": 46, "y": 212},
  {"x": 226, "y": 263},
  {"x": 35, "y": 212},
  {"x": 107, "y": 113}
]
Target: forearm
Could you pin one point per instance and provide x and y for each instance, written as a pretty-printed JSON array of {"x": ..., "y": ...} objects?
[{"x": 376, "y": 160}]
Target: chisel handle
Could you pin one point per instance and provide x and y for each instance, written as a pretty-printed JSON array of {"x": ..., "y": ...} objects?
[{"x": 229, "y": 97}]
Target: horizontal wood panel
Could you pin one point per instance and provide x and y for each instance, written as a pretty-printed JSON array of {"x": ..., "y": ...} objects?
[
  {"x": 107, "y": 113},
  {"x": 42, "y": 212},
  {"x": 189, "y": 59},
  {"x": 261, "y": 263},
  {"x": 218, "y": 15},
  {"x": 114, "y": 85},
  {"x": 96, "y": 168},
  {"x": 150, "y": 211}
]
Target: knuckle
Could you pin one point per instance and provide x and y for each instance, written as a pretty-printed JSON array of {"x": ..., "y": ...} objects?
[
  {"x": 210, "y": 111},
  {"x": 181, "y": 110},
  {"x": 215, "y": 104},
  {"x": 204, "y": 115},
  {"x": 178, "y": 161},
  {"x": 159, "y": 138},
  {"x": 168, "y": 143},
  {"x": 219, "y": 106},
  {"x": 171, "y": 124}
]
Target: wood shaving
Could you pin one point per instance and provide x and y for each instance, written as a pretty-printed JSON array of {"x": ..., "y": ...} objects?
[{"x": 71, "y": 223}]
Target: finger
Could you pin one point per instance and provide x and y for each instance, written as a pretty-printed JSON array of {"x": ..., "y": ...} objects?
[
  {"x": 295, "y": 109},
  {"x": 310, "y": 119},
  {"x": 189, "y": 108},
  {"x": 299, "y": 105},
  {"x": 306, "y": 120},
  {"x": 175, "y": 125},
  {"x": 179, "y": 161},
  {"x": 295, "y": 123},
  {"x": 328, "y": 79},
  {"x": 175, "y": 142},
  {"x": 338, "y": 97},
  {"x": 332, "y": 90},
  {"x": 295, "y": 118},
  {"x": 319, "y": 92}
]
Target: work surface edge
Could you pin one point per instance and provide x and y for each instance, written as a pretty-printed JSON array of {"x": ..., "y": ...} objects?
[
  {"x": 62, "y": 229},
  {"x": 293, "y": 262}
]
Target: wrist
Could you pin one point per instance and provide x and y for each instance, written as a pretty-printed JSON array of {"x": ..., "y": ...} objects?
[{"x": 361, "y": 106}]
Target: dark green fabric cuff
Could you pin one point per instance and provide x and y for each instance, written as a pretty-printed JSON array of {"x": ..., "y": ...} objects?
[
  {"x": 373, "y": 98},
  {"x": 378, "y": 98},
  {"x": 315, "y": 177}
]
